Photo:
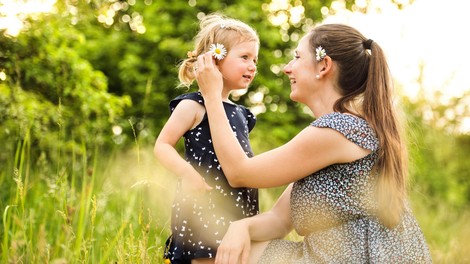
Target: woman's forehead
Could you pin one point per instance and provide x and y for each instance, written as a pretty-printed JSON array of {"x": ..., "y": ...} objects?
[{"x": 303, "y": 44}]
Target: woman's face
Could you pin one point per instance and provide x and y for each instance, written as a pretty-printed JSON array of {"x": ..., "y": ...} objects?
[{"x": 301, "y": 72}]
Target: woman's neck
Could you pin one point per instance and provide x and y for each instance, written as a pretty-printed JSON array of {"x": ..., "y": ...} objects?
[{"x": 323, "y": 103}]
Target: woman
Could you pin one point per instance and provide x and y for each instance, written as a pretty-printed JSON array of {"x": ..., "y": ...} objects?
[{"x": 347, "y": 170}]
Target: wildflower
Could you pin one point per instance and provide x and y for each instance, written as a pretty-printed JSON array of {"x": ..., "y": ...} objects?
[
  {"x": 218, "y": 50},
  {"x": 320, "y": 53}
]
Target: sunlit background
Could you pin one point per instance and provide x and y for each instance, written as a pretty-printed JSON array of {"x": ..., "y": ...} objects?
[
  {"x": 425, "y": 42},
  {"x": 84, "y": 198},
  {"x": 426, "y": 45}
]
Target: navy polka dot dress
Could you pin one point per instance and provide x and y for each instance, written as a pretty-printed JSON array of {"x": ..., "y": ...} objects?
[
  {"x": 330, "y": 209},
  {"x": 199, "y": 223}
]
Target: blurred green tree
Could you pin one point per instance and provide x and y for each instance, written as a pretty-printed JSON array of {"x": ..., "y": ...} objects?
[
  {"x": 75, "y": 73},
  {"x": 52, "y": 94},
  {"x": 140, "y": 43}
]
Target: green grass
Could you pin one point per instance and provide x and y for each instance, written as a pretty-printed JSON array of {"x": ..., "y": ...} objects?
[{"x": 116, "y": 209}]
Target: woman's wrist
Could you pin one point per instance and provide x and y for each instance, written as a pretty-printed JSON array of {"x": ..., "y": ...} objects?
[
  {"x": 242, "y": 224},
  {"x": 212, "y": 101},
  {"x": 213, "y": 97}
]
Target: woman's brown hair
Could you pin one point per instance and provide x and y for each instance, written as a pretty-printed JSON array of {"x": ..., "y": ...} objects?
[{"x": 365, "y": 85}]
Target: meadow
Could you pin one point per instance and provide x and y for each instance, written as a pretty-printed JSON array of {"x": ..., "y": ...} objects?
[
  {"x": 116, "y": 209},
  {"x": 75, "y": 190}
]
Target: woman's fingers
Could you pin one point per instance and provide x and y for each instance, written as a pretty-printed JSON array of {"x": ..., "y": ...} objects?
[
  {"x": 235, "y": 246},
  {"x": 245, "y": 255},
  {"x": 229, "y": 256},
  {"x": 208, "y": 77},
  {"x": 204, "y": 62}
]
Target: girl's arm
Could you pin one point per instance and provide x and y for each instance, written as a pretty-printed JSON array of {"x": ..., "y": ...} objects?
[
  {"x": 276, "y": 223},
  {"x": 186, "y": 115},
  {"x": 311, "y": 150}
]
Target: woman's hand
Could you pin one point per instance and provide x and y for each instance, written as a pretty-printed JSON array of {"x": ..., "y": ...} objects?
[
  {"x": 208, "y": 77},
  {"x": 236, "y": 244}
]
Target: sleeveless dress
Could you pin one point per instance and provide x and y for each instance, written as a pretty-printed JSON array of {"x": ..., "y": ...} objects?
[
  {"x": 330, "y": 210},
  {"x": 198, "y": 224}
]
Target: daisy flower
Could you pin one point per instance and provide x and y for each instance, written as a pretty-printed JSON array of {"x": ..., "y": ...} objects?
[
  {"x": 320, "y": 53},
  {"x": 218, "y": 50}
]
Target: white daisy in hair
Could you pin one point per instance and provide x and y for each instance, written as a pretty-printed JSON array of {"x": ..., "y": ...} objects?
[
  {"x": 320, "y": 53},
  {"x": 218, "y": 50}
]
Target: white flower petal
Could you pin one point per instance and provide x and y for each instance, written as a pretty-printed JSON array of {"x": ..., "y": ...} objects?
[
  {"x": 320, "y": 53},
  {"x": 218, "y": 50}
]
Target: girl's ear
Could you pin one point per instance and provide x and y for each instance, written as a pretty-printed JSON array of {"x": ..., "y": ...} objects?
[{"x": 217, "y": 62}]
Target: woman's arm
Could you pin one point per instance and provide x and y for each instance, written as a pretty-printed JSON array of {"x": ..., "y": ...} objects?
[
  {"x": 186, "y": 115},
  {"x": 276, "y": 223},
  {"x": 311, "y": 150}
]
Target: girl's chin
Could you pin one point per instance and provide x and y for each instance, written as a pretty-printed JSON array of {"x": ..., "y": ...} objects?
[
  {"x": 243, "y": 87},
  {"x": 240, "y": 89}
]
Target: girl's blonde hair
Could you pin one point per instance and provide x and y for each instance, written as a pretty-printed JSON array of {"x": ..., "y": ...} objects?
[{"x": 214, "y": 28}]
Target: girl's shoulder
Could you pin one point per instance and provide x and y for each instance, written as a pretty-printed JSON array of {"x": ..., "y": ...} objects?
[{"x": 194, "y": 96}]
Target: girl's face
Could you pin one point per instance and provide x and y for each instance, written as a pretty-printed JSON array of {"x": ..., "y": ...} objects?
[
  {"x": 238, "y": 68},
  {"x": 301, "y": 72}
]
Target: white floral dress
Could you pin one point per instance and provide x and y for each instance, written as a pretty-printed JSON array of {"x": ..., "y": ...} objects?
[
  {"x": 198, "y": 224},
  {"x": 330, "y": 210}
]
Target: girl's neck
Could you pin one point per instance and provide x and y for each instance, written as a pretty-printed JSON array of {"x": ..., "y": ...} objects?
[{"x": 225, "y": 96}]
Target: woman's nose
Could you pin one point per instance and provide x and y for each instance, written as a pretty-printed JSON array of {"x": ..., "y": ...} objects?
[{"x": 288, "y": 68}]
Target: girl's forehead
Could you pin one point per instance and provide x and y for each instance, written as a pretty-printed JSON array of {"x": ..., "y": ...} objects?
[{"x": 245, "y": 45}]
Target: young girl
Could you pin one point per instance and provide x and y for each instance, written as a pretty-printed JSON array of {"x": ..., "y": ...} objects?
[{"x": 205, "y": 204}]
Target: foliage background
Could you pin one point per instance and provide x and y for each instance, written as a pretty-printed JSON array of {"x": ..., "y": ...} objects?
[{"x": 84, "y": 91}]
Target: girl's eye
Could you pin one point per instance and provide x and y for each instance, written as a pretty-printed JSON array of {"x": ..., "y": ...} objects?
[{"x": 245, "y": 57}]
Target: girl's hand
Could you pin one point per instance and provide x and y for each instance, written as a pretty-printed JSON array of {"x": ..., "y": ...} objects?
[
  {"x": 194, "y": 185},
  {"x": 208, "y": 77},
  {"x": 235, "y": 246}
]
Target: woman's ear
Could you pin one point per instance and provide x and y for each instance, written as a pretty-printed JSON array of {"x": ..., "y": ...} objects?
[
  {"x": 327, "y": 63},
  {"x": 325, "y": 66}
]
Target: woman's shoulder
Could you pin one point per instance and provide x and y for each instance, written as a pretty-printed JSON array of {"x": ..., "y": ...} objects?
[
  {"x": 352, "y": 127},
  {"x": 337, "y": 118}
]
